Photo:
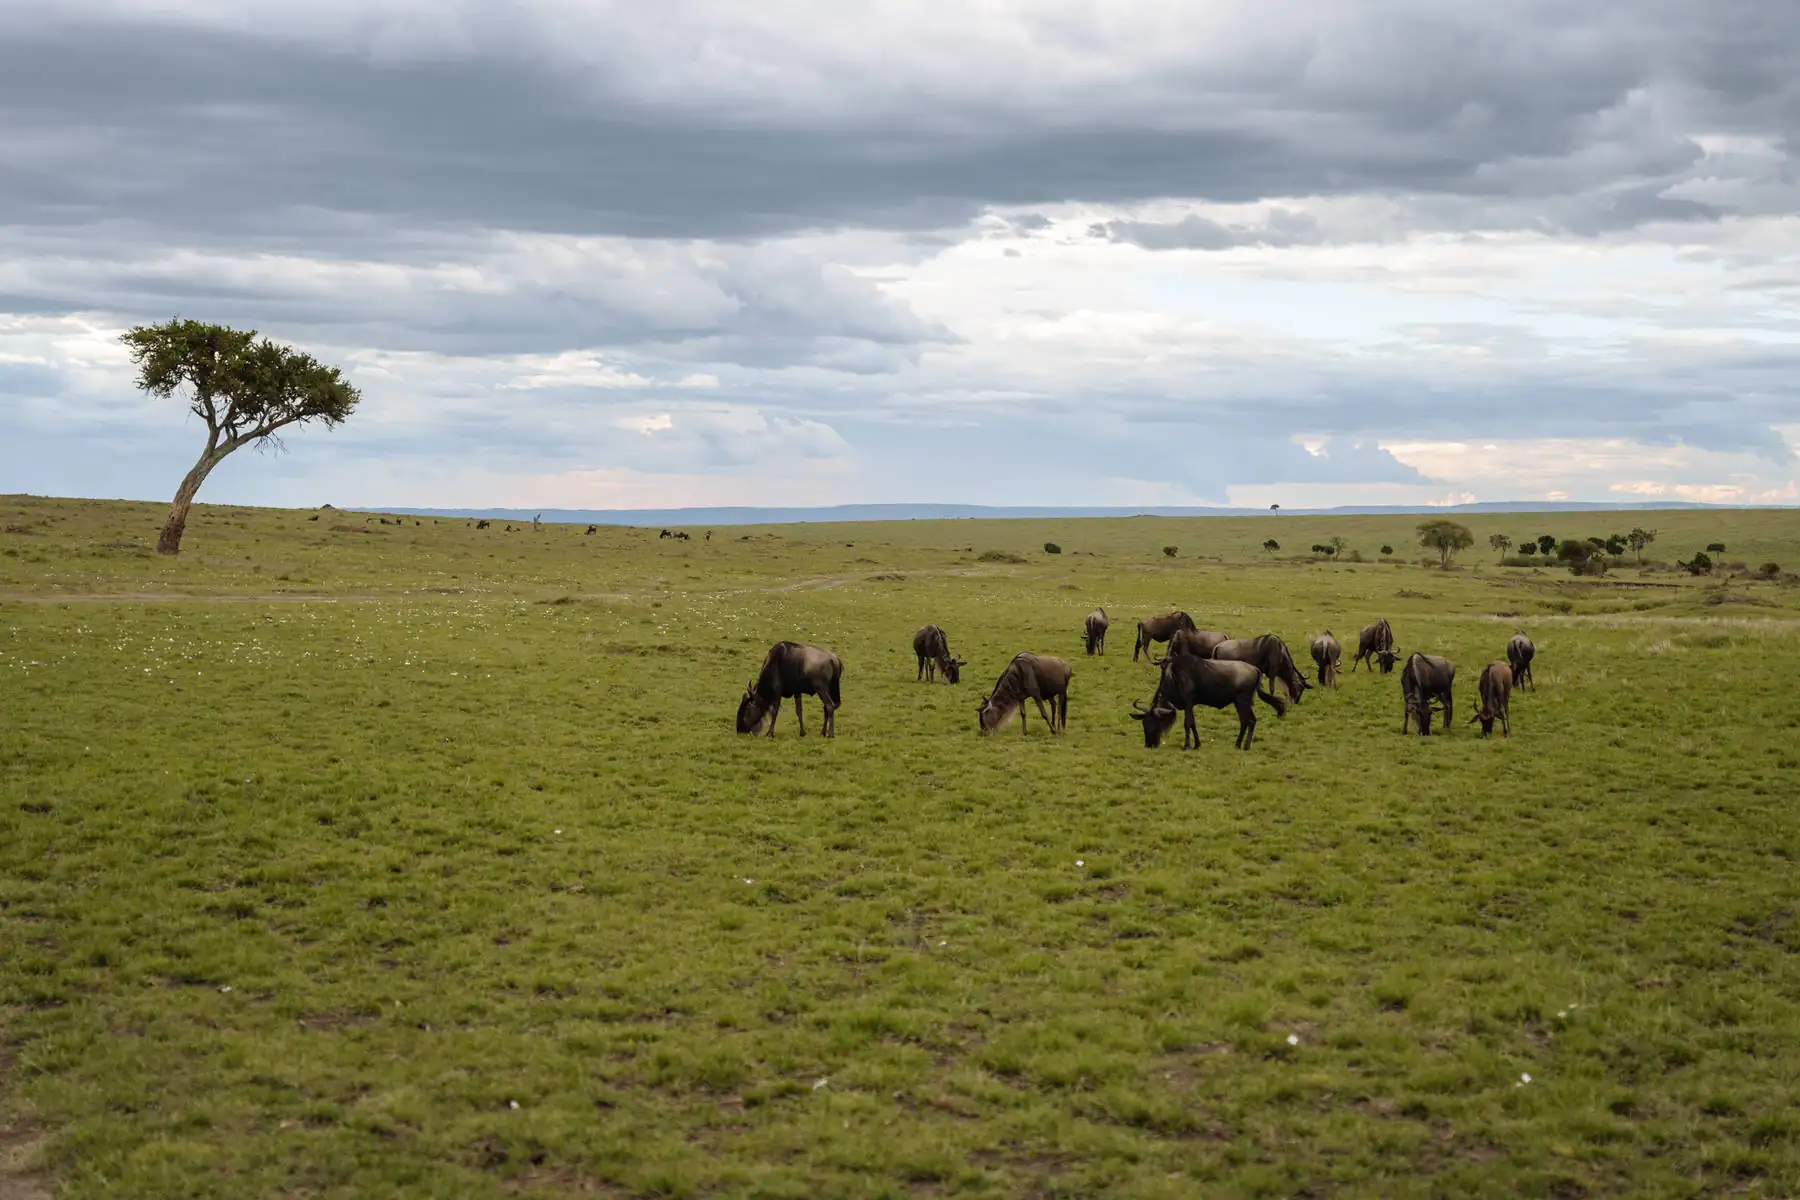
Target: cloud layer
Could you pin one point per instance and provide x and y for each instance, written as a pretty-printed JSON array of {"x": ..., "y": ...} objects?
[{"x": 1013, "y": 252}]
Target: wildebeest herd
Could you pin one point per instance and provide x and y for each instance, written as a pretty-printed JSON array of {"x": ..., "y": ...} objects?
[{"x": 1201, "y": 667}]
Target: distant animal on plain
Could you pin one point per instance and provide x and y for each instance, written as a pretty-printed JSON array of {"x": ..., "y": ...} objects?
[
  {"x": 933, "y": 651},
  {"x": 1495, "y": 690},
  {"x": 1375, "y": 644},
  {"x": 709, "y": 535},
  {"x": 665, "y": 533},
  {"x": 1325, "y": 653},
  {"x": 1094, "y": 632},
  {"x": 792, "y": 669},
  {"x": 1036, "y": 677},
  {"x": 591, "y": 531},
  {"x": 1270, "y": 655},
  {"x": 1425, "y": 679},
  {"x": 1188, "y": 681},
  {"x": 1519, "y": 653},
  {"x": 481, "y": 524},
  {"x": 1195, "y": 643},
  {"x": 1159, "y": 629}
]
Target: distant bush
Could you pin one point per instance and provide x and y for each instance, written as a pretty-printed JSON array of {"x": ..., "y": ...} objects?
[
  {"x": 1355, "y": 556},
  {"x": 1171, "y": 551},
  {"x": 1700, "y": 564},
  {"x": 1388, "y": 551},
  {"x": 1052, "y": 548},
  {"x": 1582, "y": 558},
  {"x": 1520, "y": 560},
  {"x": 1769, "y": 570},
  {"x": 1000, "y": 556},
  {"x": 1715, "y": 548}
]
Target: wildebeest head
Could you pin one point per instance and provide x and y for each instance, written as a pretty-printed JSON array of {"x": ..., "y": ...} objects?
[
  {"x": 952, "y": 668},
  {"x": 1486, "y": 716},
  {"x": 750, "y": 711},
  {"x": 987, "y": 717},
  {"x": 1387, "y": 658},
  {"x": 1156, "y": 721}
]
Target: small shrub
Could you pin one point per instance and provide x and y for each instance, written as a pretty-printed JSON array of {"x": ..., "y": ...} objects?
[
  {"x": 1052, "y": 548},
  {"x": 1769, "y": 570},
  {"x": 1171, "y": 551},
  {"x": 1387, "y": 551},
  {"x": 1700, "y": 564}
]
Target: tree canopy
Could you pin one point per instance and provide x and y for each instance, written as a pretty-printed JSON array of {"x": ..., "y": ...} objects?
[{"x": 1446, "y": 538}]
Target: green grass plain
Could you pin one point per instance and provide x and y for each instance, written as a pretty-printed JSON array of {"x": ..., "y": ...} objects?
[{"x": 420, "y": 861}]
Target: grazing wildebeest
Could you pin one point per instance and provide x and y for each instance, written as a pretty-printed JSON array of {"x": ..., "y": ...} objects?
[
  {"x": 482, "y": 524},
  {"x": 665, "y": 533},
  {"x": 1425, "y": 678},
  {"x": 1159, "y": 629},
  {"x": 1496, "y": 690},
  {"x": 1187, "y": 681},
  {"x": 1094, "y": 630},
  {"x": 1269, "y": 654},
  {"x": 1196, "y": 643},
  {"x": 709, "y": 535},
  {"x": 683, "y": 536},
  {"x": 791, "y": 669},
  {"x": 1375, "y": 644},
  {"x": 933, "y": 649},
  {"x": 591, "y": 531},
  {"x": 1325, "y": 653},
  {"x": 1028, "y": 676},
  {"x": 1519, "y": 653}
]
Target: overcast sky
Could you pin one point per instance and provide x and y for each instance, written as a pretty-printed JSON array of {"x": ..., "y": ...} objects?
[{"x": 626, "y": 254}]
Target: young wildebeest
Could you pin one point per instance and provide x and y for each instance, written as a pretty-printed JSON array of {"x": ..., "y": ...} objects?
[
  {"x": 1325, "y": 654},
  {"x": 1496, "y": 690},
  {"x": 1029, "y": 676},
  {"x": 1095, "y": 630},
  {"x": 1269, "y": 654},
  {"x": 1194, "y": 643},
  {"x": 1187, "y": 681},
  {"x": 791, "y": 669},
  {"x": 1159, "y": 629},
  {"x": 933, "y": 650},
  {"x": 1425, "y": 678},
  {"x": 1519, "y": 653},
  {"x": 1375, "y": 644}
]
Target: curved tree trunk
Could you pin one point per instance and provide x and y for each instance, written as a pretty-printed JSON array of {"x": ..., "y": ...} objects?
[{"x": 176, "y": 525}]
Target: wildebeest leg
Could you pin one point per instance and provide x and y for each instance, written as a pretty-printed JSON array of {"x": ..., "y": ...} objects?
[
  {"x": 830, "y": 727},
  {"x": 1022, "y": 718},
  {"x": 1048, "y": 719},
  {"x": 1246, "y": 706},
  {"x": 1448, "y": 702},
  {"x": 798, "y": 715},
  {"x": 921, "y": 673},
  {"x": 1190, "y": 731},
  {"x": 1505, "y": 724},
  {"x": 773, "y": 713}
]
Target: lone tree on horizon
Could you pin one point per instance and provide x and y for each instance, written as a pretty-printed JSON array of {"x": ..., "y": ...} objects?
[
  {"x": 1445, "y": 537},
  {"x": 245, "y": 389}
]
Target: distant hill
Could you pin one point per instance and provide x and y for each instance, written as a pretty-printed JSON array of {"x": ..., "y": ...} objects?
[{"x": 949, "y": 512}]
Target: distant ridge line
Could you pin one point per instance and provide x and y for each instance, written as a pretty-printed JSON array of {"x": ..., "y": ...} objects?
[{"x": 847, "y": 513}]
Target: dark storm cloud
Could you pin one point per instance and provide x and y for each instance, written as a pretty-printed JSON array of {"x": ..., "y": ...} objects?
[{"x": 216, "y": 133}]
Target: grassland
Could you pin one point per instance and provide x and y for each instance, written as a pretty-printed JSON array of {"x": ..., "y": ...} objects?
[{"x": 342, "y": 859}]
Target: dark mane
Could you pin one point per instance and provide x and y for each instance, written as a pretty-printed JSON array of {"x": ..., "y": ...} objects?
[
  {"x": 1008, "y": 691},
  {"x": 768, "y": 680}
]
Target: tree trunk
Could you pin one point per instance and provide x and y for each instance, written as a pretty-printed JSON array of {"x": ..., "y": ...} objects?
[{"x": 176, "y": 525}]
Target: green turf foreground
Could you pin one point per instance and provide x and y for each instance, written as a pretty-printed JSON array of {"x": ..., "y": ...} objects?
[{"x": 341, "y": 859}]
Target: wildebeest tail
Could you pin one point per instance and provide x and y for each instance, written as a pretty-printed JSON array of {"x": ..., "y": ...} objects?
[
  {"x": 1273, "y": 701},
  {"x": 836, "y": 675}
]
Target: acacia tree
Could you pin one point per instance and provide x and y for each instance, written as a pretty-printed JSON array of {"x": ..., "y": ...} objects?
[
  {"x": 1546, "y": 544},
  {"x": 1445, "y": 537},
  {"x": 246, "y": 390},
  {"x": 1638, "y": 539},
  {"x": 1502, "y": 543}
]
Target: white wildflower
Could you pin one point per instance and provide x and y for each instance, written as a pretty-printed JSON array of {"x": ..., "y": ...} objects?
[{"x": 1293, "y": 1039}]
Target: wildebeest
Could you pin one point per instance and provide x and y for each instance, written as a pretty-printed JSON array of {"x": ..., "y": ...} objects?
[
  {"x": 1159, "y": 629},
  {"x": 1325, "y": 654},
  {"x": 1187, "y": 681},
  {"x": 664, "y": 534},
  {"x": 1425, "y": 678},
  {"x": 791, "y": 669},
  {"x": 1519, "y": 653},
  {"x": 1195, "y": 643},
  {"x": 1496, "y": 689},
  {"x": 1094, "y": 631},
  {"x": 1375, "y": 644},
  {"x": 482, "y": 524},
  {"x": 1028, "y": 676},
  {"x": 1269, "y": 654},
  {"x": 591, "y": 531},
  {"x": 933, "y": 650}
]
